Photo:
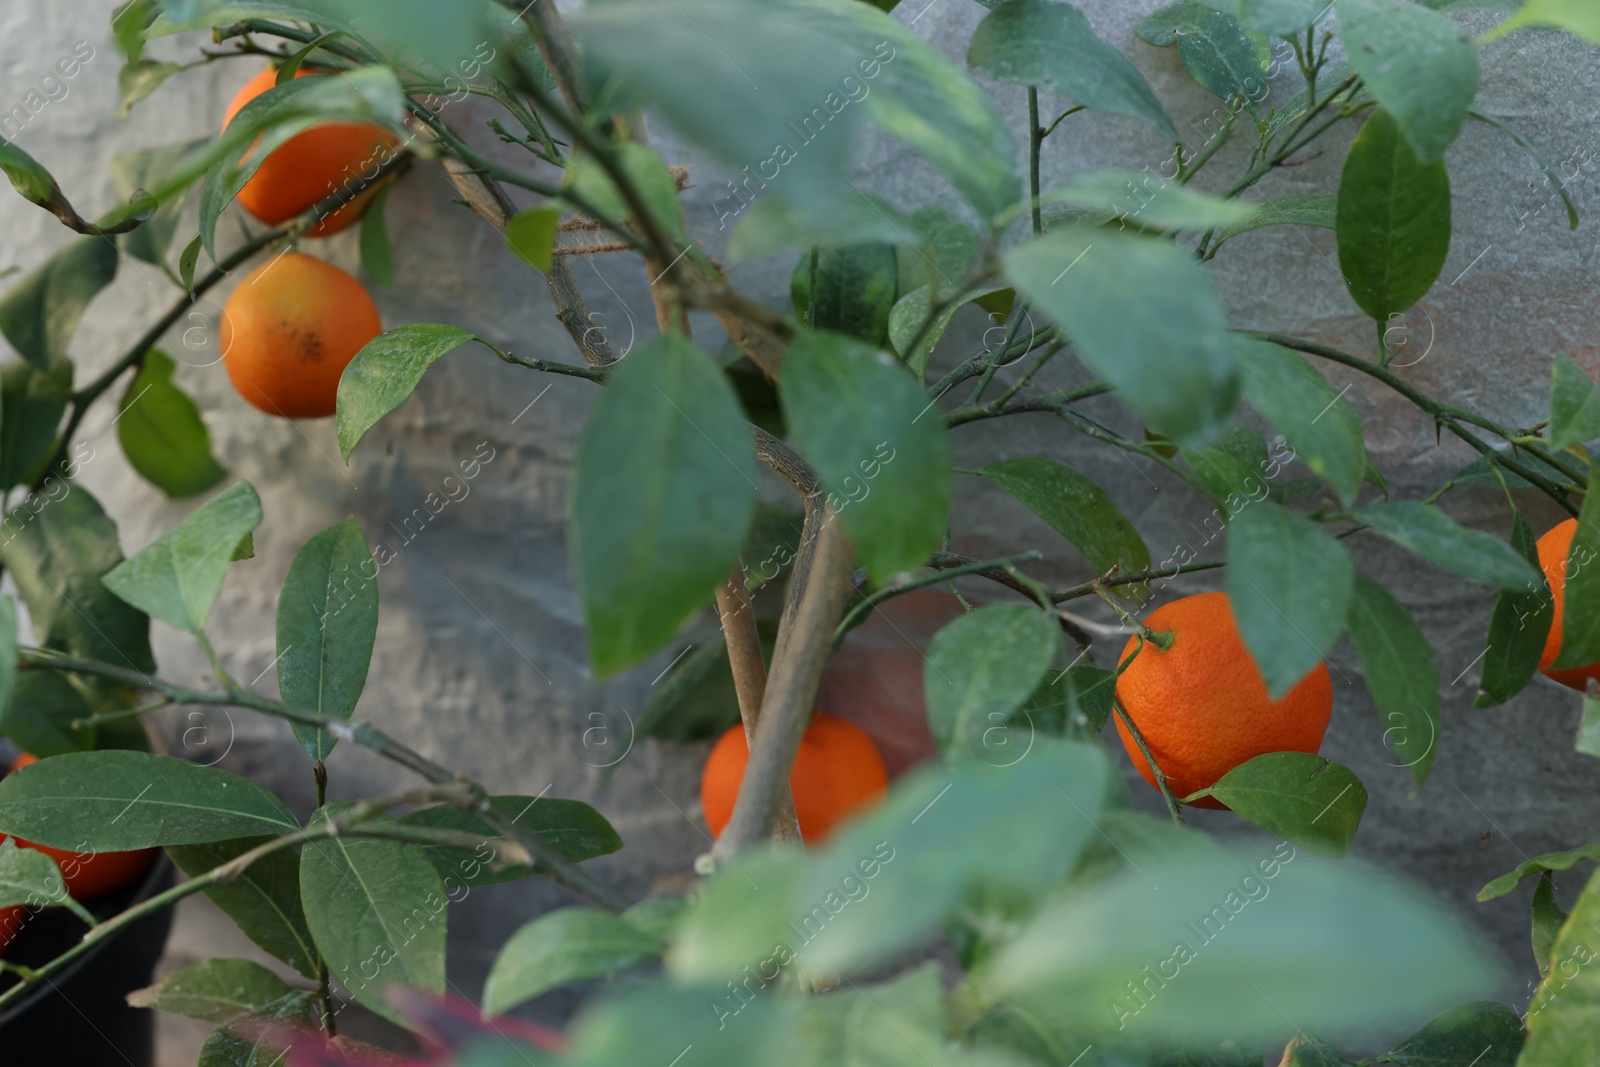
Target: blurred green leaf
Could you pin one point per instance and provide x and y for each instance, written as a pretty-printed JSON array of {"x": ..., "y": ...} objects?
[
  {"x": 772, "y": 224},
  {"x": 978, "y": 671},
  {"x": 327, "y": 625},
  {"x": 377, "y": 910},
  {"x": 1299, "y": 796},
  {"x": 1421, "y": 66},
  {"x": 28, "y": 876},
  {"x": 59, "y": 545},
  {"x": 563, "y": 946},
  {"x": 1313, "y": 210},
  {"x": 40, "y": 313},
  {"x": 855, "y": 290},
  {"x": 385, "y": 372},
  {"x": 260, "y": 1040},
  {"x": 1481, "y": 1032},
  {"x": 26, "y": 175},
  {"x": 857, "y": 416},
  {"x": 1546, "y": 920},
  {"x": 1146, "y": 199},
  {"x": 1577, "y": 17},
  {"x": 376, "y": 255},
  {"x": 1574, "y": 404},
  {"x": 1393, "y": 220},
  {"x": 1289, "y": 584},
  {"x": 1144, "y": 316},
  {"x": 119, "y": 801},
  {"x": 1401, "y": 675},
  {"x": 1079, "y": 511},
  {"x": 1433, "y": 535},
  {"x": 1224, "y": 964},
  {"x": 32, "y": 402},
  {"x": 1564, "y": 1014},
  {"x": 161, "y": 432},
  {"x": 140, "y": 79},
  {"x": 667, "y": 447},
  {"x": 38, "y": 719},
  {"x": 1517, "y": 629},
  {"x": 132, "y": 172},
  {"x": 1550, "y": 861},
  {"x": 532, "y": 236},
  {"x": 1580, "y": 619},
  {"x": 1277, "y": 17},
  {"x": 263, "y": 901},
  {"x": 1074, "y": 703},
  {"x": 1319, "y": 423},
  {"x": 177, "y": 577},
  {"x": 1051, "y": 45},
  {"x": 645, "y": 170}
]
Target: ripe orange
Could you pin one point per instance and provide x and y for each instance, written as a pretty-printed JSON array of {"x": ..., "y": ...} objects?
[
  {"x": 290, "y": 329},
  {"x": 1202, "y": 705},
  {"x": 1554, "y": 548},
  {"x": 836, "y": 773},
  {"x": 310, "y": 166},
  {"x": 87, "y": 874}
]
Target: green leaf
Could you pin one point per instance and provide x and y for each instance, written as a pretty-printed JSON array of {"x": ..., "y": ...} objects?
[
  {"x": 1219, "y": 930},
  {"x": 1146, "y": 199},
  {"x": 1564, "y": 1014},
  {"x": 1422, "y": 68},
  {"x": 134, "y": 172},
  {"x": 376, "y": 255},
  {"x": 1517, "y": 629},
  {"x": 386, "y": 371},
  {"x": 1574, "y": 404},
  {"x": 1299, "y": 796},
  {"x": 857, "y": 415},
  {"x": 187, "y": 263},
  {"x": 1393, "y": 220},
  {"x": 1078, "y": 510},
  {"x": 940, "y": 254},
  {"x": 57, "y": 555},
  {"x": 261, "y": 1039},
  {"x": 327, "y": 624},
  {"x": 657, "y": 916},
  {"x": 772, "y": 224},
  {"x": 1074, "y": 703},
  {"x": 1319, "y": 424},
  {"x": 1313, "y": 210},
  {"x": 978, "y": 671},
  {"x": 909, "y": 314},
  {"x": 1550, "y": 861},
  {"x": 1144, "y": 316},
  {"x": 1482, "y": 1032},
  {"x": 572, "y": 828},
  {"x": 216, "y": 990},
  {"x": 119, "y": 801},
  {"x": 1433, "y": 535},
  {"x": 177, "y": 577},
  {"x": 1051, "y": 45},
  {"x": 1588, "y": 742},
  {"x": 1401, "y": 674},
  {"x": 26, "y": 175},
  {"x": 666, "y": 447},
  {"x": 32, "y": 402},
  {"x": 1289, "y": 584},
  {"x": 1580, "y": 622},
  {"x": 1233, "y": 470},
  {"x": 531, "y": 235},
  {"x": 28, "y": 876},
  {"x": 40, "y": 314},
  {"x": 560, "y": 947},
  {"x": 1279, "y": 18},
  {"x": 8, "y": 654},
  {"x": 377, "y": 910},
  {"x": 263, "y": 901},
  {"x": 1575, "y": 16},
  {"x": 1546, "y": 921},
  {"x": 162, "y": 434},
  {"x": 1222, "y": 57},
  {"x": 42, "y": 708},
  {"x": 656, "y": 1022},
  {"x": 855, "y": 291}
]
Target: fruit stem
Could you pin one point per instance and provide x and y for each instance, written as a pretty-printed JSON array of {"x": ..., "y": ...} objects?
[{"x": 1161, "y": 779}]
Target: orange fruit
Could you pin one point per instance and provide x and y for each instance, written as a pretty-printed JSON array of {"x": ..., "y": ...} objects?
[
  {"x": 1202, "y": 705},
  {"x": 310, "y": 166},
  {"x": 1554, "y": 548},
  {"x": 87, "y": 874},
  {"x": 836, "y": 774},
  {"x": 290, "y": 329}
]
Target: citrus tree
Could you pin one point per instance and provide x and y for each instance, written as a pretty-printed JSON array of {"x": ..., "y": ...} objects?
[{"x": 1003, "y": 904}]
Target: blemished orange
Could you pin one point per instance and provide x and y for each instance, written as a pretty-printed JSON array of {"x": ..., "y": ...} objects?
[
  {"x": 87, "y": 874},
  {"x": 290, "y": 329},
  {"x": 1554, "y": 548},
  {"x": 1202, "y": 705},
  {"x": 837, "y": 773},
  {"x": 310, "y": 166}
]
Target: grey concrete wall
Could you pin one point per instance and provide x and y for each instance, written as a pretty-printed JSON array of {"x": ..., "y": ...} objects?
[{"x": 480, "y": 655}]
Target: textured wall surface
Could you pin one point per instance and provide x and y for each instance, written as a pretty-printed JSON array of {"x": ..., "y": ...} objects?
[{"x": 480, "y": 660}]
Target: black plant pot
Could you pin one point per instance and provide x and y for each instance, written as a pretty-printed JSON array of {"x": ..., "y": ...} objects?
[{"x": 80, "y": 1016}]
